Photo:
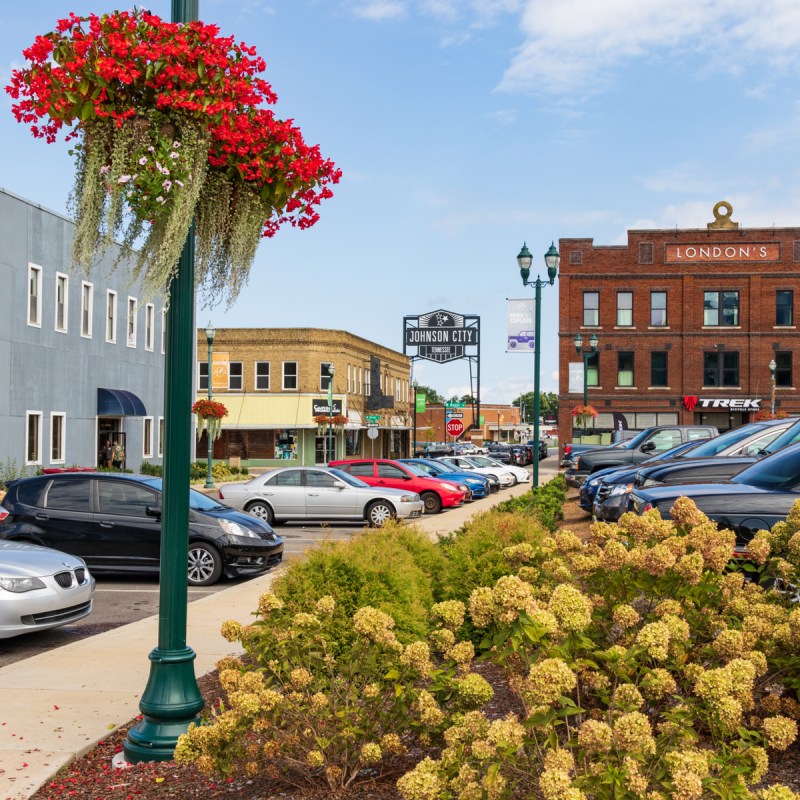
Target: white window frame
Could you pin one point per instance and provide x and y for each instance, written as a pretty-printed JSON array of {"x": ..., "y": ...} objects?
[
  {"x": 296, "y": 376},
  {"x": 62, "y": 277},
  {"x": 130, "y": 336},
  {"x": 29, "y": 416},
  {"x": 257, "y": 377},
  {"x": 232, "y": 377},
  {"x": 147, "y": 434},
  {"x": 63, "y": 438},
  {"x": 163, "y": 331},
  {"x": 111, "y": 316},
  {"x": 87, "y": 309},
  {"x": 34, "y": 300},
  {"x": 160, "y": 450},
  {"x": 149, "y": 326}
]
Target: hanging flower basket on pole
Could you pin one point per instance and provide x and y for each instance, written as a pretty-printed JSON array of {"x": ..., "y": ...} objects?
[
  {"x": 170, "y": 125},
  {"x": 209, "y": 415},
  {"x": 583, "y": 414}
]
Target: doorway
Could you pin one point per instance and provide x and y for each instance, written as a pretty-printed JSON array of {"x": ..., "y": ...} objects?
[{"x": 109, "y": 429}]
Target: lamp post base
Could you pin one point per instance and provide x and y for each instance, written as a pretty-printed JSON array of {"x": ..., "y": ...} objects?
[{"x": 170, "y": 703}]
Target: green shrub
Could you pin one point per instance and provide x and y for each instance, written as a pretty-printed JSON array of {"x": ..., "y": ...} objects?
[
  {"x": 545, "y": 502},
  {"x": 9, "y": 471},
  {"x": 149, "y": 468}
]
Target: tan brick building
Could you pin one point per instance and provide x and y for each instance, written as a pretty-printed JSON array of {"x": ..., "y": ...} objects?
[
  {"x": 274, "y": 382},
  {"x": 687, "y": 324}
]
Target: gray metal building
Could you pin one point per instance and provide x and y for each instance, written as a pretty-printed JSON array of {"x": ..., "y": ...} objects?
[{"x": 81, "y": 355}]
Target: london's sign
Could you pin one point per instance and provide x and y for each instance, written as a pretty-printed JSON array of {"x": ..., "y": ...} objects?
[
  {"x": 704, "y": 252},
  {"x": 690, "y": 402}
]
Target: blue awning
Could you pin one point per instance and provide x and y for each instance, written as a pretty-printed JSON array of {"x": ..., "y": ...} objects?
[{"x": 119, "y": 403}]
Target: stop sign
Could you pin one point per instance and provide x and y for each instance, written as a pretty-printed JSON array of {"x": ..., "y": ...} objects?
[{"x": 455, "y": 427}]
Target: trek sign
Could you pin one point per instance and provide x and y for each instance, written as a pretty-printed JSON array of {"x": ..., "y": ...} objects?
[
  {"x": 441, "y": 335},
  {"x": 690, "y": 402}
]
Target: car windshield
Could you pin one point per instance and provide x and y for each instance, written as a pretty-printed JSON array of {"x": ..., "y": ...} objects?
[
  {"x": 780, "y": 471},
  {"x": 197, "y": 500},
  {"x": 789, "y": 436},
  {"x": 724, "y": 440},
  {"x": 431, "y": 467},
  {"x": 416, "y": 469},
  {"x": 632, "y": 444},
  {"x": 482, "y": 461},
  {"x": 347, "y": 477}
]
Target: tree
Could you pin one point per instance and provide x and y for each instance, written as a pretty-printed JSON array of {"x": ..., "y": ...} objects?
[
  {"x": 548, "y": 405},
  {"x": 431, "y": 395}
]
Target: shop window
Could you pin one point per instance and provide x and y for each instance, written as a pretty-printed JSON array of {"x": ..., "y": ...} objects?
[
  {"x": 33, "y": 425},
  {"x": 721, "y": 369},
  {"x": 147, "y": 438},
  {"x": 163, "y": 331},
  {"x": 262, "y": 376},
  {"x": 783, "y": 368},
  {"x": 352, "y": 443},
  {"x": 149, "y": 326},
  {"x": 286, "y": 443},
  {"x": 34, "y": 295},
  {"x": 591, "y": 309},
  {"x": 658, "y": 369},
  {"x": 325, "y": 376},
  {"x": 721, "y": 308},
  {"x": 87, "y": 308},
  {"x": 62, "y": 297},
  {"x": 593, "y": 369},
  {"x": 57, "y": 437},
  {"x": 658, "y": 309},
  {"x": 202, "y": 377},
  {"x": 625, "y": 369},
  {"x": 289, "y": 375},
  {"x": 624, "y": 309},
  {"x": 131, "y": 325},
  {"x": 784, "y": 307},
  {"x": 111, "y": 317},
  {"x": 235, "y": 376}
]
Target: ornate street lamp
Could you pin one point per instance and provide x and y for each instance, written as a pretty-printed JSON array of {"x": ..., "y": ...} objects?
[
  {"x": 586, "y": 355},
  {"x": 772, "y": 366},
  {"x": 209, "y": 484},
  {"x": 331, "y": 440},
  {"x": 551, "y": 260}
]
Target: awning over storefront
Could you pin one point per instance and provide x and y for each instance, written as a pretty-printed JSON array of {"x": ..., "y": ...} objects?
[
  {"x": 355, "y": 422},
  {"x": 398, "y": 423},
  {"x": 119, "y": 403}
]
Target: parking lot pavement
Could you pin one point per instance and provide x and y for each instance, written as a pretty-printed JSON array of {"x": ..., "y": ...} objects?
[{"x": 57, "y": 705}]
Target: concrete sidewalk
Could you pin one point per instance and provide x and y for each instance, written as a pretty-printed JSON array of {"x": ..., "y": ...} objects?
[{"x": 58, "y": 705}]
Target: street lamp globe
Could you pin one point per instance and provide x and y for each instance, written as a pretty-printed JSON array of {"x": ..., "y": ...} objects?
[
  {"x": 552, "y": 259},
  {"x": 524, "y": 259},
  {"x": 210, "y": 333},
  {"x": 578, "y": 342}
]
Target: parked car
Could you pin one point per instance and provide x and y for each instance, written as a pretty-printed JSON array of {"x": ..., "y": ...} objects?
[
  {"x": 464, "y": 449},
  {"x": 435, "y": 493},
  {"x": 489, "y": 465},
  {"x": 319, "y": 493},
  {"x": 542, "y": 447},
  {"x": 572, "y": 451},
  {"x": 500, "y": 451},
  {"x": 752, "y": 500},
  {"x": 435, "y": 450},
  {"x": 648, "y": 443},
  {"x": 479, "y": 485},
  {"x": 522, "y": 455},
  {"x": 504, "y": 477},
  {"x": 41, "y": 588},
  {"x": 113, "y": 522}
]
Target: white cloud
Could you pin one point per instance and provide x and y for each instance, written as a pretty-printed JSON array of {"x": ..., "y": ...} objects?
[
  {"x": 577, "y": 44},
  {"x": 380, "y": 9},
  {"x": 504, "y": 116}
]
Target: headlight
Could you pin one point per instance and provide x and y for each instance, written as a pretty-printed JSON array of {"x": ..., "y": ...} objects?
[
  {"x": 235, "y": 529},
  {"x": 409, "y": 498},
  {"x": 622, "y": 488},
  {"x": 19, "y": 585},
  {"x": 449, "y": 487},
  {"x": 463, "y": 487}
]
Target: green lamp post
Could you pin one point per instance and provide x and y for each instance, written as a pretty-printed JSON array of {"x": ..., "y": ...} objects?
[
  {"x": 331, "y": 439},
  {"x": 172, "y": 699},
  {"x": 586, "y": 355},
  {"x": 210, "y": 332},
  {"x": 551, "y": 260}
]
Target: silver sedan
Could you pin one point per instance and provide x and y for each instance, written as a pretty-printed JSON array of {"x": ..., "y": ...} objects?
[
  {"x": 319, "y": 494},
  {"x": 41, "y": 588}
]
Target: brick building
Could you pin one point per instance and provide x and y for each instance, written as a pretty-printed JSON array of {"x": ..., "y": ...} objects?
[
  {"x": 501, "y": 423},
  {"x": 687, "y": 323},
  {"x": 274, "y": 382}
]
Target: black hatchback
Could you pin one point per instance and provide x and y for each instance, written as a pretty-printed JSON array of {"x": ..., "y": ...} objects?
[{"x": 113, "y": 522}]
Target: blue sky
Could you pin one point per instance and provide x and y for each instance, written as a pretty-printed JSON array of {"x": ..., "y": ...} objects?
[{"x": 465, "y": 127}]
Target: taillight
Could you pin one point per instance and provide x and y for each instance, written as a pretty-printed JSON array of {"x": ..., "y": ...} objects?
[
  {"x": 221, "y": 496},
  {"x": 648, "y": 506},
  {"x": 3, "y": 514},
  {"x": 567, "y": 449}
]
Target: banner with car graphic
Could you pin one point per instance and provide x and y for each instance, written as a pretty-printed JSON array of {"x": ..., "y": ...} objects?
[{"x": 521, "y": 336}]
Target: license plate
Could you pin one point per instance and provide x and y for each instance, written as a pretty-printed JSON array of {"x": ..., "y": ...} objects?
[{"x": 414, "y": 514}]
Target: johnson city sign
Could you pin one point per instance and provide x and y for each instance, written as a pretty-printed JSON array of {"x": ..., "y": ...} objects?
[
  {"x": 690, "y": 402},
  {"x": 441, "y": 335}
]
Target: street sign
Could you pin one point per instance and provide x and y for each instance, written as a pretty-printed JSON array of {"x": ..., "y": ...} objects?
[
  {"x": 454, "y": 414},
  {"x": 372, "y": 425},
  {"x": 455, "y": 427},
  {"x": 455, "y": 404},
  {"x": 372, "y": 433},
  {"x": 373, "y": 417}
]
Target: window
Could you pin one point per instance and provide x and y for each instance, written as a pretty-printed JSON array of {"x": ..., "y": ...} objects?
[
  {"x": 34, "y": 295},
  {"x": 783, "y": 369},
  {"x": 149, "y": 326},
  {"x": 362, "y": 470},
  {"x": 625, "y": 309},
  {"x": 664, "y": 440},
  {"x": 133, "y": 305},
  {"x": 391, "y": 471},
  {"x": 111, "y": 317},
  {"x": 720, "y": 308},
  {"x": 658, "y": 309},
  {"x": 235, "y": 375},
  {"x": 289, "y": 375},
  {"x": 262, "y": 375},
  {"x": 202, "y": 376},
  {"x": 348, "y": 378},
  {"x": 367, "y": 382},
  {"x": 147, "y": 438},
  {"x": 163, "y": 331},
  {"x": 784, "y": 305},
  {"x": 291, "y": 477},
  {"x": 721, "y": 369},
  {"x": 161, "y": 437},
  {"x": 62, "y": 298},
  {"x": 87, "y": 305},
  {"x": 658, "y": 369},
  {"x": 593, "y": 369},
  {"x": 625, "y": 369},
  {"x": 57, "y": 437},
  {"x": 33, "y": 425},
  {"x": 124, "y": 498},
  {"x": 71, "y": 495},
  {"x": 325, "y": 376},
  {"x": 321, "y": 479},
  {"x": 591, "y": 308}
]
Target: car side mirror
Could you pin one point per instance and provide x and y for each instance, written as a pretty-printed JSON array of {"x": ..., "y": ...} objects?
[
  {"x": 648, "y": 446},
  {"x": 339, "y": 485},
  {"x": 153, "y": 511}
]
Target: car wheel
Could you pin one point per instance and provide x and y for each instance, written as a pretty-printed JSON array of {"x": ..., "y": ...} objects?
[
  {"x": 379, "y": 513},
  {"x": 514, "y": 480},
  {"x": 432, "y": 501},
  {"x": 262, "y": 511},
  {"x": 512, "y": 345},
  {"x": 205, "y": 564}
]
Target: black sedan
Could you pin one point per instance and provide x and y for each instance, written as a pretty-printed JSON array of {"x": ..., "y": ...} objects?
[
  {"x": 113, "y": 522},
  {"x": 752, "y": 500}
]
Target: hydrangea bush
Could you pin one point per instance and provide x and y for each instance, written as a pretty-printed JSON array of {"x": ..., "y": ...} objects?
[{"x": 645, "y": 669}]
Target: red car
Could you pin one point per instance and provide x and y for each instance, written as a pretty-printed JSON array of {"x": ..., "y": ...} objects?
[{"x": 435, "y": 494}]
